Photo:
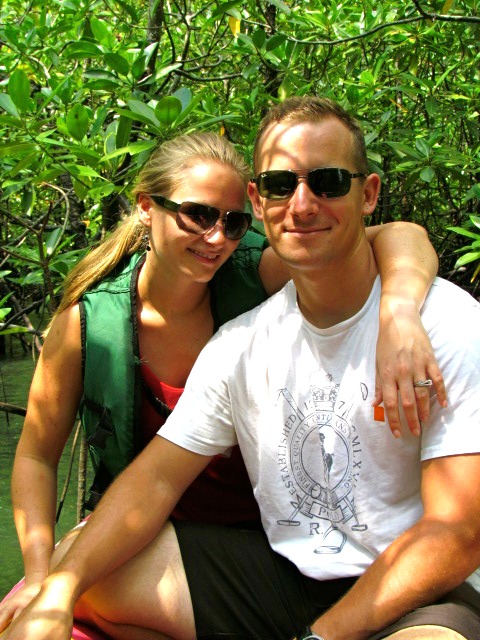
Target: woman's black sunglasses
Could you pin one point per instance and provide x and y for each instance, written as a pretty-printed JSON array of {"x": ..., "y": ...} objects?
[
  {"x": 201, "y": 218},
  {"x": 328, "y": 182}
]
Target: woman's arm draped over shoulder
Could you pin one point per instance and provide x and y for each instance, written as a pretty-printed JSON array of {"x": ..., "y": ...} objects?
[
  {"x": 52, "y": 406},
  {"x": 408, "y": 264}
]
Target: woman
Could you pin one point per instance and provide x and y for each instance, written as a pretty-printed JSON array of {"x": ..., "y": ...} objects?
[{"x": 132, "y": 323}]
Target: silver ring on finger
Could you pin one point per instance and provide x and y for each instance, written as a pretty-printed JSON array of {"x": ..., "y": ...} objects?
[{"x": 423, "y": 383}]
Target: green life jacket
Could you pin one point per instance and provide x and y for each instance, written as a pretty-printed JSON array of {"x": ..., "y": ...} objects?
[{"x": 110, "y": 406}]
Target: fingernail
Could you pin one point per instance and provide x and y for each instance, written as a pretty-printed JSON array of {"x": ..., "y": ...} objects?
[
  {"x": 416, "y": 432},
  {"x": 396, "y": 434}
]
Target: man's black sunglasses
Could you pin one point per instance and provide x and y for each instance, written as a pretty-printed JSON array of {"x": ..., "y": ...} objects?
[
  {"x": 328, "y": 182},
  {"x": 201, "y": 218}
]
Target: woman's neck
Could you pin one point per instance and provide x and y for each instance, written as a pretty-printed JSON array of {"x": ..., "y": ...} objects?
[{"x": 168, "y": 295}]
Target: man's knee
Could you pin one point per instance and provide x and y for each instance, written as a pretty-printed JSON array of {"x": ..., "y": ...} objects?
[{"x": 426, "y": 632}]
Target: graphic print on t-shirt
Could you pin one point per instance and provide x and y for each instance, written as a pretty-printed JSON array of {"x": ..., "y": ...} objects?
[{"x": 319, "y": 461}]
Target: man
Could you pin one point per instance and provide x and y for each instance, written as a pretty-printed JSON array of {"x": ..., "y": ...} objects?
[{"x": 372, "y": 537}]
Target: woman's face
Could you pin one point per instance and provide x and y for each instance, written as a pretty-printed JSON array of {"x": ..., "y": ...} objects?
[{"x": 196, "y": 256}]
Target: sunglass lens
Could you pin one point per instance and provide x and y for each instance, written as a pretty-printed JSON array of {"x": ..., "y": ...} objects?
[
  {"x": 276, "y": 184},
  {"x": 237, "y": 224},
  {"x": 329, "y": 182},
  {"x": 196, "y": 218}
]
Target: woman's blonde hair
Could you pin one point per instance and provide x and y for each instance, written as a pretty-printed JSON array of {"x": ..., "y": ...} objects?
[{"x": 162, "y": 173}]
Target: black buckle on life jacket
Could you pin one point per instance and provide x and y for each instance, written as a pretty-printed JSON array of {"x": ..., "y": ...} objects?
[
  {"x": 104, "y": 427},
  {"x": 100, "y": 484}
]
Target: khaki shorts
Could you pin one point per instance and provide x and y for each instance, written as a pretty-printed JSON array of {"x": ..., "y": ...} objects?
[{"x": 242, "y": 590}]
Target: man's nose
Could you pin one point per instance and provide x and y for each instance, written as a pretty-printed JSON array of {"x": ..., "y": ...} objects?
[{"x": 303, "y": 201}]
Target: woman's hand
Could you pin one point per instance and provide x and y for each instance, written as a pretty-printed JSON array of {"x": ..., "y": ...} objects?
[
  {"x": 15, "y": 603},
  {"x": 48, "y": 616},
  {"x": 405, "y": 356}
]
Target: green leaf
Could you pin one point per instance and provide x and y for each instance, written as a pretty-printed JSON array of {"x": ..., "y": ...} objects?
[
  {"x": 144, "y": 110},
  {"x": 19, "y": 90},
  {"x": 118, "y": 63},
  {"x": 102, "y": 191},
  {"x": 258, "y": 38},
  {"x": 123, "y": 132},
  {"x": 28, "y": 161},
  {"x": 7, "y": 103},
  {"x": 4, "y": 311},
  {"x": 49, "y": 175},
  {"x": 427, "y": 174},
  {"x": 136, "y": 117},
  {"x": 164, "y": 71},
  {"x": 101, "y": 32},
  {"x": 282, "y": 6},
  {"x": 14, "y": 148},
  {"x": 247, "y": 41},
  {"x": 10, "y": 121},
  {"x": 431, "y": 106},
  {"x": 100, "y": 118},
  {"x": 224, "y": 7},
  {"x": 184, "y": 94},
  {"x": 189, "y": 107},
  {"x": 463, "y": 232},
  {"x": 404, "y": 150},
  {"x": 132, "y": 149},
  {"x": 81, "y": 50},
  {"x": 275, "y": 41},
  {"x": 109, "y": 141},
  {"x": 138, "y": 67},
  {"x": 468, "y": 257},
  {"x": 77, "y": 121},
  {"x": 13, "y": 330},
  {"x": 473, "y": 193},
  {"x": 168, "y": 109},
  {"x": 366, "y": 77},
  {"x": 28, "y": 200},
  {"x": 103, "y": 84},
  {"x": 129, "y": 9},
  {"x": 81, "y": 171},
  {"x": 100, "y": 74},
  {"x": 52, "y": 240},
  {"x": 423, "y": 147}
]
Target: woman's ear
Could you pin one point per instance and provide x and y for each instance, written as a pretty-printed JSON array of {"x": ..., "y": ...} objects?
[
  {"x": 255, "y": 199},
  {"x": 371, "y": 191},
  {"x": 144, "y": 206}
]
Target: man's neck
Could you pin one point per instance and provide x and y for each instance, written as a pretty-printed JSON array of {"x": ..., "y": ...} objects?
[{"x": 334, "y": 293}]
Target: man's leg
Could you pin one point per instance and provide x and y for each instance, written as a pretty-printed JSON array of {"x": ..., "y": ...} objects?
[
  {"x": 147, "y": 598},
  {"x": 425, "y": 632}
]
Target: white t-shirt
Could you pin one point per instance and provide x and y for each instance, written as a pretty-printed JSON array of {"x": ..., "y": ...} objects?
[{"x": 334, "y": 487}]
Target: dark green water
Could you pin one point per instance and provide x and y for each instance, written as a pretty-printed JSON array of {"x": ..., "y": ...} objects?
[{"x": 16, "y": 371}]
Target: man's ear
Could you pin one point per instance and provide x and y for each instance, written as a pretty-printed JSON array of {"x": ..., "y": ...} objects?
[
  {"x": 371, "y": 191},
  {"x": 144, "y": 207},
  {"x": 255, "y": 200}
]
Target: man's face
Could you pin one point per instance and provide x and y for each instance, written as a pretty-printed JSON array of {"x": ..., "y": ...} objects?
[{"x": 307, "y": 230}]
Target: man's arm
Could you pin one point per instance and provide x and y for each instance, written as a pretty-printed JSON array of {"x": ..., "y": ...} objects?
[
  {"x": 127, "y": 518},
  {"x": 428, "y": 560}
]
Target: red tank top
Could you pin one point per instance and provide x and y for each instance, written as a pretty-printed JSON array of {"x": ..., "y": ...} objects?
[{"x": 222, "y": 493}]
